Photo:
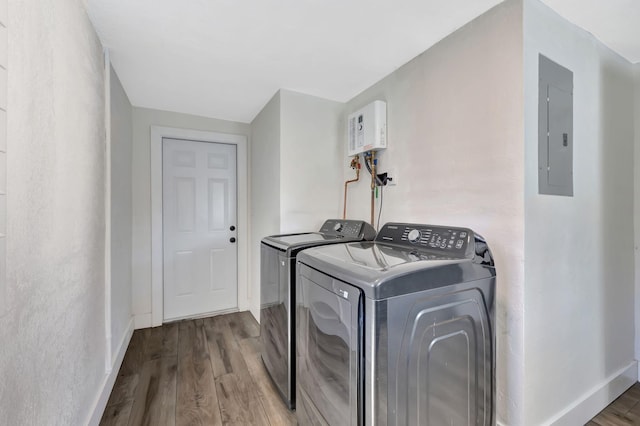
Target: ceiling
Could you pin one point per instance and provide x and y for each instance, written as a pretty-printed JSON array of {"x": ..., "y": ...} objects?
[{"x": 226, "y": 58}]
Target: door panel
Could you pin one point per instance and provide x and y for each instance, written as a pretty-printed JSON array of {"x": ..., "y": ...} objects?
[
  {"x": 275, "y": 318},
  {"x": 199, "y": 208},
  {"x": 218, "y": 199},
  {"x": 328, "y": 341},
  {"x": 184, "y": 267},
  {"x": 185, "y": 190}
]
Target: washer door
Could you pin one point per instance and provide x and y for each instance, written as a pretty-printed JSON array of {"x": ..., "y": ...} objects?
[
  {"x": 276, "y": 332},
  {"x": 328, "y": 344}
]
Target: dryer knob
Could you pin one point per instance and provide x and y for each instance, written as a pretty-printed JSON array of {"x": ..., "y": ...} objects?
[
  {"x": 337, "y": 227},
  {"x": 414, "y": 235}
]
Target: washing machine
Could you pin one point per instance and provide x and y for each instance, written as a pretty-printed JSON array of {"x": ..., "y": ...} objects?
[
  {"x": 398, "y": 331},
  {"x": 277, "y": 285}
]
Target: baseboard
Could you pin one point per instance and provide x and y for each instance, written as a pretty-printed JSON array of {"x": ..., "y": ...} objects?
[
  {"x": 142, "y": 321},
  {"x": 592, "y": 402},
  {"x": 110, "y": 379},
  {"x": 256, "y": 313},
  {"x": 204, "y": 315}
]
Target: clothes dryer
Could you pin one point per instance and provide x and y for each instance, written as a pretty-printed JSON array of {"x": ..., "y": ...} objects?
[{"x": 277, "y": 284}]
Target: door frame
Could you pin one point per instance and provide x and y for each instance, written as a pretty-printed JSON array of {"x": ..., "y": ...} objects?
[{"x": 157, "y": 266}]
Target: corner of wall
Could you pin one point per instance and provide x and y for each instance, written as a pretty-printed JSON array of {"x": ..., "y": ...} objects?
[
  {"x": 3, "y": 155},
  {"x": 597, "y": 267},
  {"x": 56, "y": 180},
  {"x": 467, "y": 175},
  {"x": 119, "y": 213},
  {"x": 311, "y": 152},
  {"x": 110, "y": 379},
  {"x": 264, "y": 198},
  {"x": 636, "y": 203}
]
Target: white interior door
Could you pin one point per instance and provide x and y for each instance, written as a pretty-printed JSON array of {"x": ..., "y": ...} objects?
[{"x": 199, "y": 228}]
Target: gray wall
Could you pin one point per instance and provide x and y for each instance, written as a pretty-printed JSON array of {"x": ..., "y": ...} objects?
[
  {"x": 455, "y": 145},
  {"x": 52, "y": 361},
  {"x": 121, "y": 145},
  {"x": 310, "y": 161},
  {"x": 3, "y": 156},
  {"x": 264, "y": 209},
  {"x": 295, "y": 169},
  {"x": 636, "y": 204},
  {"x": 579, "y": 264},
  {"x": 143, "y": 119}
]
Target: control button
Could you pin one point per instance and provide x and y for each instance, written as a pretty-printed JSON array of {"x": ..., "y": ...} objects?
[
  {"x": 443, "y": 245},
  {"x": 463, "y": 234},
  {"x": 337, "y": 227},
  {"x": 459, "y": 244},
  {"x": 414, "y": 235}
]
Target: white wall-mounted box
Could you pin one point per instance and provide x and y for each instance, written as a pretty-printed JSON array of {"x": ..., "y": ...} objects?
[{"x": 367, "y": 128}]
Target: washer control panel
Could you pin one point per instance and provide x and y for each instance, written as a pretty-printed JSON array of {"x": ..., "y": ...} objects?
[
  {"x": 445, "y": 239},
  {"x": 348, "y": 228}
]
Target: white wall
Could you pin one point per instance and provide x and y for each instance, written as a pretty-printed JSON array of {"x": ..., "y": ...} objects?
[
  {"x": 311, "y": 158},
  {"x": 3, "y": 154},
  {"x": 296, "y": 158},
  {"x": 636, "y": 204},
  {"x": 455, "y": 131},
  {"x": 120, "y": 205},
  {"x": 264, "y": 216},
  {"x": 143, "y": 119},
  {"x": 579, "y": 266},
  {"x": 52, "y": 361}
]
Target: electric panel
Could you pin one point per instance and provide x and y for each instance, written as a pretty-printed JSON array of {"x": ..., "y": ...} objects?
[{"x": 555, "y": 129}]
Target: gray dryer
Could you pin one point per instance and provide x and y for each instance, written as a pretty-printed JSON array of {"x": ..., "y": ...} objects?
[{"x": 277, "y": 294}]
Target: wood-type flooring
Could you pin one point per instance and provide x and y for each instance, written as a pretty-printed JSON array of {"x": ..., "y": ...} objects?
[
  {"x": 196, "y": 372},
  {"x": 209, "y": 372},
  {"x": 624, "y": 411}
]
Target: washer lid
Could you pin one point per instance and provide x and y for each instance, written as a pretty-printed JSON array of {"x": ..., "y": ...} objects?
[
  {"x": 300, "y": 241},
  {"x": 332, "y": 231},
  {"x": 384, "y": 270}
]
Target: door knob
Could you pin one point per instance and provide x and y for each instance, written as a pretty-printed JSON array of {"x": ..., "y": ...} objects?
[
  {"x": 232, "y": 228},
  {"x": 232, "y": 239}
]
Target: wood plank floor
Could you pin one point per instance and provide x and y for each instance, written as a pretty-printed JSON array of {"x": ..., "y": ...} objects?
[
  {"x": 209, "y": 372},
  {"x": 196, "y": 372},
  {"x": 624, "y": 411}
]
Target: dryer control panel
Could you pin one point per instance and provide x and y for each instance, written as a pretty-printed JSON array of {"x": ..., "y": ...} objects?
[
  {"x": 449, "y": 240},
  {"x": 348, "y": 228}
]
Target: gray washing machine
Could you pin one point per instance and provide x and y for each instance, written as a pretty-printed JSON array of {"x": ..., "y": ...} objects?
[
  {"x": 277, "y": 288},
  {"x": 399, "y": 331}
]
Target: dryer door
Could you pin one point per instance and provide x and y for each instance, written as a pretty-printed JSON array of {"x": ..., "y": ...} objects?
[
  {"x": 276, "y": 330},
  {"x": 328, "y": 346}
]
